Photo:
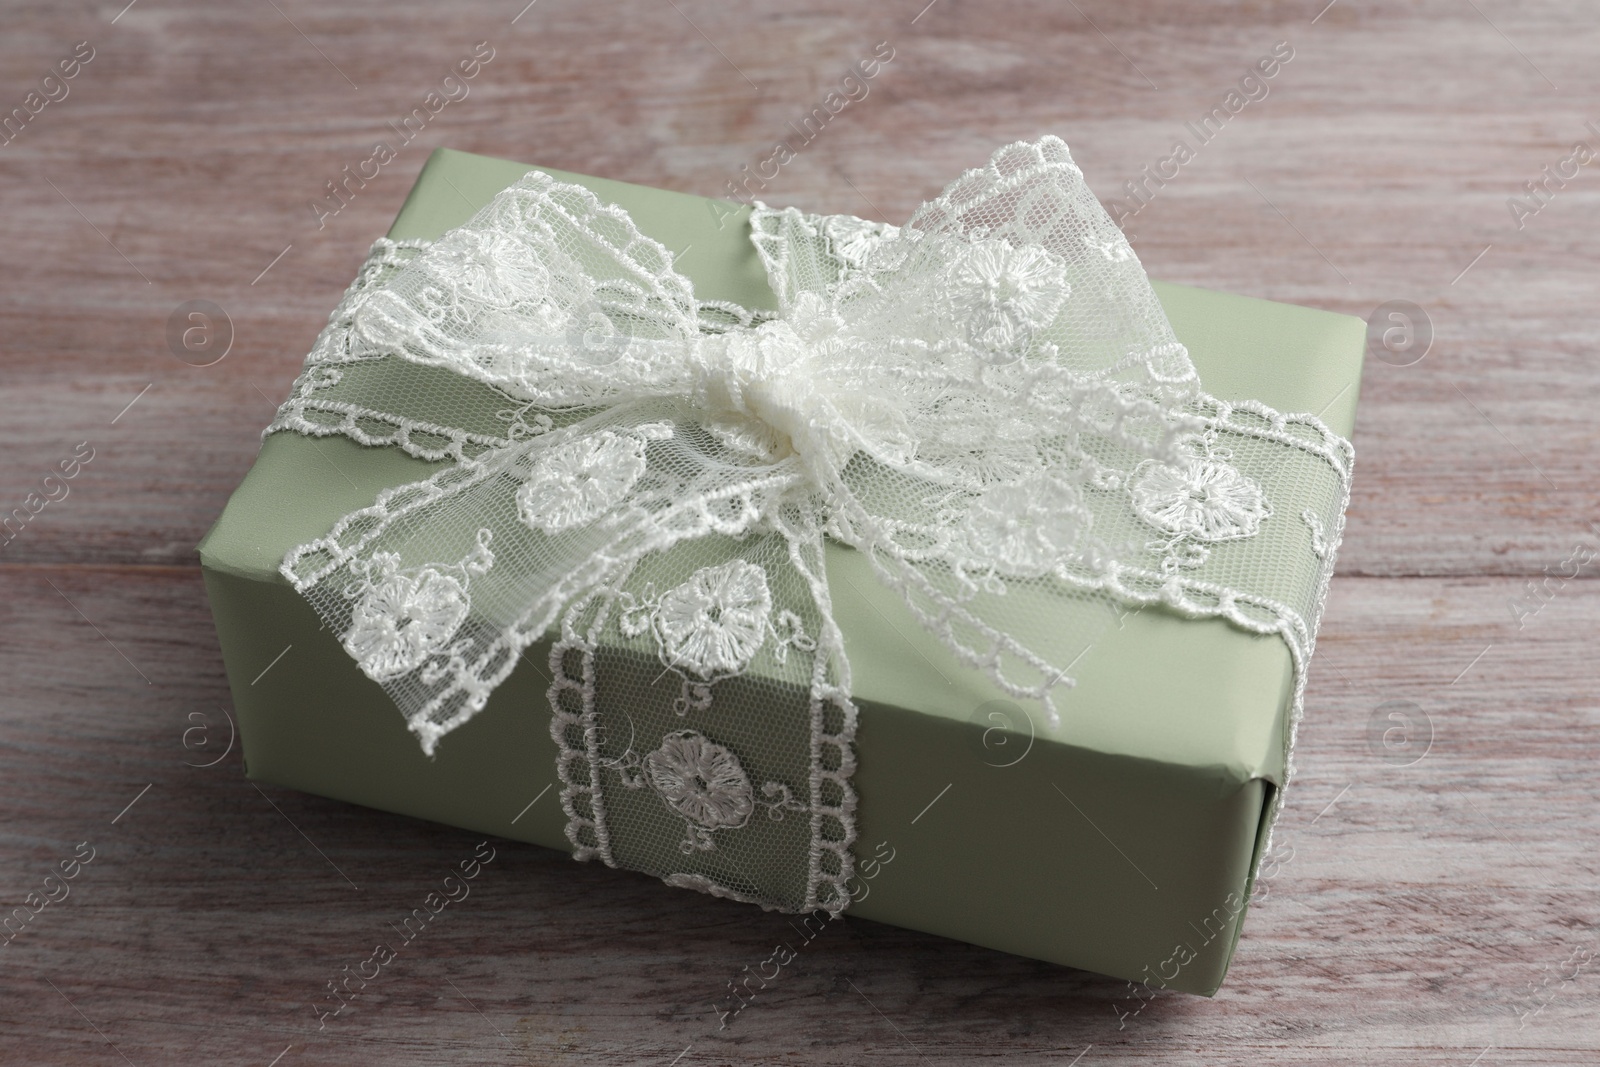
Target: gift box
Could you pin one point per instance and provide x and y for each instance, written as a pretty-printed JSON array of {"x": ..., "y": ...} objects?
[{"x": 1122, "y": 839}]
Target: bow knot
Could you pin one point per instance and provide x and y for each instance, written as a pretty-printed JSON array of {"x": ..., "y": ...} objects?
[
  {"x": 769, "y": 393},
  {"x": 756, "y": 392}
]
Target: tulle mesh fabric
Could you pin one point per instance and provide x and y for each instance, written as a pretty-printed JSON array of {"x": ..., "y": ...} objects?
[{"x": 988, "y": 402}]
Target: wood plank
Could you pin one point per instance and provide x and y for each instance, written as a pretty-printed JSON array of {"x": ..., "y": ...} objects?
[
  {"x": 1379, "y": 151},
  {"x": 1422, "y": 906},
  {"x": 1407, "y": 910}
]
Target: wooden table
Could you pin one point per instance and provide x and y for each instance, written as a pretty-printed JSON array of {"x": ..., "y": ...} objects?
[{"x": 1427, "y": 897}]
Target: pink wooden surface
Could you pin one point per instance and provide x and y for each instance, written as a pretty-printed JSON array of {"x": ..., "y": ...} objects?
[{"x": 1417, "y": 913}]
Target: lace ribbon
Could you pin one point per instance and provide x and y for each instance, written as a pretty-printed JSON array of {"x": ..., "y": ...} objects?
[{"x": 987, "y": 402}]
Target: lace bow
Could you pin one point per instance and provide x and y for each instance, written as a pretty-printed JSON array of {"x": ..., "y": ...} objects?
[{"x": 987, "y": 403}]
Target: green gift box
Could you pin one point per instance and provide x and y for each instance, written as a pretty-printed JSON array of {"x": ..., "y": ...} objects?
[{"x": 1122, "y": 841}]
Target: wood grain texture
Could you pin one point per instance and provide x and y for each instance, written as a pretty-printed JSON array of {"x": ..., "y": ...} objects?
[{"x": 1413, "y": 910}]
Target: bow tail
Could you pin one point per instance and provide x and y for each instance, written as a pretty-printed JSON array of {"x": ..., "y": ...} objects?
[
  {"x": 1025, "y": 620},
  {"x": 833, "y": 729},
  {"x": 437, "y": 588},
  {"x": 701, "y": 712},
  {"x": 416, "y": 587}
]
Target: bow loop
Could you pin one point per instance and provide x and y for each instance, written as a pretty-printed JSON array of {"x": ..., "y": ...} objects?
[
  {"x": 801, "y": 386},
  {"x": 547, "y": 294}
]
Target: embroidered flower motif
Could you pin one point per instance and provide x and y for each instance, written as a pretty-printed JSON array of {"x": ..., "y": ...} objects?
[
  {"x": 579, "y": 481},
  {"x": 1319, "y": 534},
  {"x": 855, "y": 239},
  {"x": 1006, "y": 293},
  {"x": 702, "y": 781},
  {"x": 1202, "y": 498},
  {"x": 813, "y": 319},
  {"x": 715, "y": 623},
  {"x": 402, "y": 620},
  {"x": 474, "y": 274},
  {"x": 1027, "y": 527}
]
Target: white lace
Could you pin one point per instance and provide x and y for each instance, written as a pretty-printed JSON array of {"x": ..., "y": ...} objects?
[{"x": 988, "y": 402}]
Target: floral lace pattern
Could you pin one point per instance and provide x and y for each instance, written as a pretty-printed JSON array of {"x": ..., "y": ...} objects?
[
  {"x": 1029, "y": 525},
  {"x": 580, "y": 481},
  {"x": 851, "y": 239},
  {"x": 713, "y": 624},
  {"x": 1319, "y": 534},
  {"x": 402, "y": 619},
  {"x": 1007, "y": 293},
  {"x": 1204, "y": 498},
  {"x": 703, "y": 782},
  {"x": 987, "y": 403},
  {"x": 710, "y": 627},
  {"x": 1199, "y": 500}
]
